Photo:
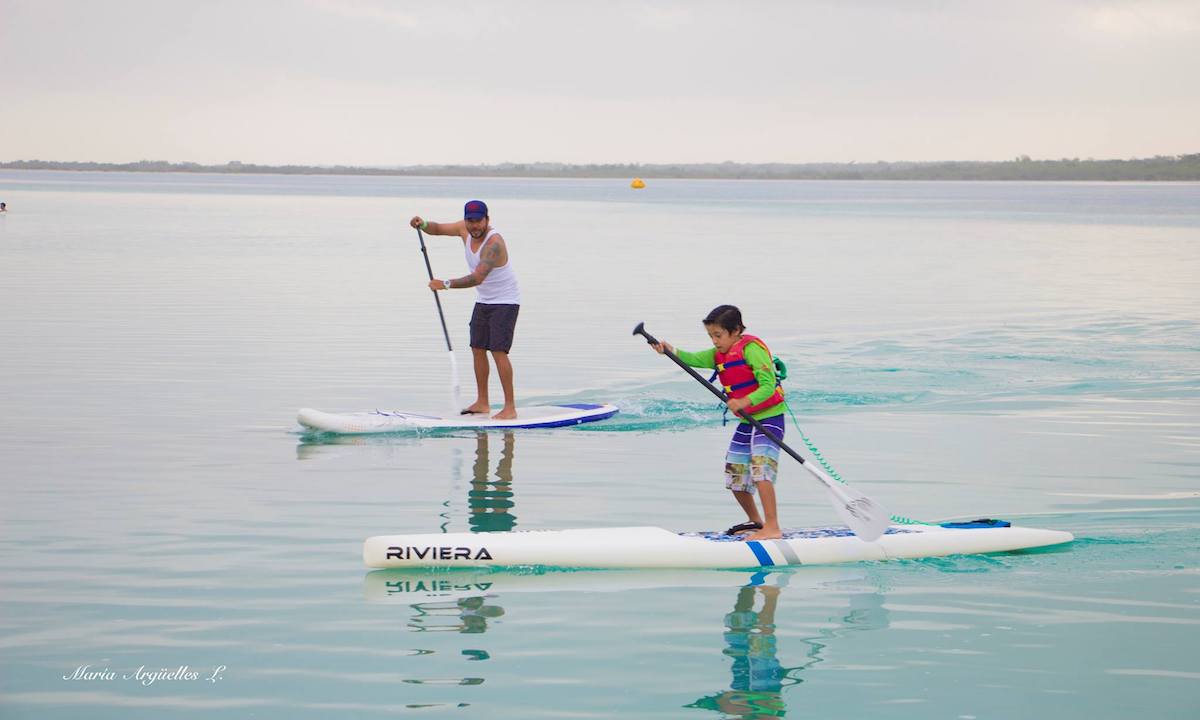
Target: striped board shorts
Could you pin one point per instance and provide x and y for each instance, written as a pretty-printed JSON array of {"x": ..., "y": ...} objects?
[{"x": 752, "y": 456}]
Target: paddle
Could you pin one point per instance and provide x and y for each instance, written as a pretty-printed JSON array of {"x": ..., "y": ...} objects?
[
  {"x": 454, "y": 388},
  {"x": 862, "y": 514}
]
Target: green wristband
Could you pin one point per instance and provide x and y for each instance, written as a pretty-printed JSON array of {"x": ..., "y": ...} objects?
[{"x": 424, "y": 224}]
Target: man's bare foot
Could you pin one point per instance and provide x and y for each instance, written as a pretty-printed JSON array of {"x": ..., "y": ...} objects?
[
  {"x": 506, "y": 414},
  {"x": 767, "y": 533},
  {"x": 477, "y": 407}
]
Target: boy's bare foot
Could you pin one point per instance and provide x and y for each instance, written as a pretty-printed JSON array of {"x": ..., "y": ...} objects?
[
  {"x": 476, "y": 407},
  {"x": 767, "y": 533},
  {"x": 506, "y": 414}
]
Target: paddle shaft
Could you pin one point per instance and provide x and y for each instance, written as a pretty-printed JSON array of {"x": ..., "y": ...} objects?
[
  {"x": 436, "y": 299},
  {"x": 725, "y": 398}
]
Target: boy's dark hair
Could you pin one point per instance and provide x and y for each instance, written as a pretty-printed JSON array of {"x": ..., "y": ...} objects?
[{"x": 726, "y": 316}]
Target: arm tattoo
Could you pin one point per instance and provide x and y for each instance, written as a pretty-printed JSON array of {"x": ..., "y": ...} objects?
[{"x": 486, "y": 264}]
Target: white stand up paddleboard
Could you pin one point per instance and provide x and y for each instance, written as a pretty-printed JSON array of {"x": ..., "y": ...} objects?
[
  {"x": 652, "y": 547},
  {"x": 382, "y": 421}
]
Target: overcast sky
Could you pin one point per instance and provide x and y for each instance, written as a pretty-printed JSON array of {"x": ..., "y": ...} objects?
[{"x": 386, "y": 82}]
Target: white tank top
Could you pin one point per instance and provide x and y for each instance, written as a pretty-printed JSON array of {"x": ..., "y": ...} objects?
[{"x": 500, "y": 285}]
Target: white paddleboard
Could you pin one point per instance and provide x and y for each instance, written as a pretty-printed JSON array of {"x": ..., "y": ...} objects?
[
  {"x": 652, "y": 547},
  {"x": 382, "y": 421}
]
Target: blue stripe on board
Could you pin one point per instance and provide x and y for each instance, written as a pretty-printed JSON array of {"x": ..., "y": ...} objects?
[
  {"x": 555, "y": 423},
  {"x": 760, "y": 552}
]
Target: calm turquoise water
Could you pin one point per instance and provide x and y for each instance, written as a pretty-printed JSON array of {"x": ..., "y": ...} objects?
[{"x": 1025, "y": 351}]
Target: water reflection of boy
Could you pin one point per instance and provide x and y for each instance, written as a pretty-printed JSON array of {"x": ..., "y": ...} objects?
[
  {"x": 750, "y": 637},
  {"x": 491, "y": 501},
  {"x": 757, "y": 674},
  {"x": 756, "y": 690}
]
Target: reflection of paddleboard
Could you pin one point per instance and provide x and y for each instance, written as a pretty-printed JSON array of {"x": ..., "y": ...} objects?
[
  {"x": 380, "y": 421},
  {"x": 412, "y": 585},
  {"x": 651, "y": 547}
]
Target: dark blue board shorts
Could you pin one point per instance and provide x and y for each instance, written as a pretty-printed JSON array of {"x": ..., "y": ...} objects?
[{"x": 492, "y": 326}]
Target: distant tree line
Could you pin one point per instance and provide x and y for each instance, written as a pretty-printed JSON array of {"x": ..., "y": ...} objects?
[{"x": 1159, "y": 168}]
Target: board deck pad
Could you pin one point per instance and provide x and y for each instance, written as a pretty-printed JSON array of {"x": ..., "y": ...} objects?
[
  {"x": 799, "y": 534},
  {"x": 384, "y": 421}
]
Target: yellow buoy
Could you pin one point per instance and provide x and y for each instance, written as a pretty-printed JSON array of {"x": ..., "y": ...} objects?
[{"x": 637, "y": 184}]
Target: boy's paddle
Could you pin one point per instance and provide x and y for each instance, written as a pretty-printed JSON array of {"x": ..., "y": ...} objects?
[
  {"x": 454, "y": 387},
  {"x": 862, "y": 514}
]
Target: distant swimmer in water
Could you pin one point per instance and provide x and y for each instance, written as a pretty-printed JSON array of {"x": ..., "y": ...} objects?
[{"x": 3, "y": 207}]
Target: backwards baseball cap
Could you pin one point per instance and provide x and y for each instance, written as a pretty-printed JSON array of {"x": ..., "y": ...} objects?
[{"x": 475, "y": 210}]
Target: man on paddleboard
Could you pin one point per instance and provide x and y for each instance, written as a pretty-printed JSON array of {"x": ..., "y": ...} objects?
[{"x": 497, "y": 300}]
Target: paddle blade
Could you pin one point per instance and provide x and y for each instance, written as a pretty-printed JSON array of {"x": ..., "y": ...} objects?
[{"x": 861, "y": 514}]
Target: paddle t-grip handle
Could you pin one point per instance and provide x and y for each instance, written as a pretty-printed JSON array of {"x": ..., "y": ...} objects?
[{"x": 641, "y": 330}]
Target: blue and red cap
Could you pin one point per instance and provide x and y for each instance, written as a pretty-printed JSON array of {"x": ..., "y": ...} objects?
[{"x": 475, "y": 210}]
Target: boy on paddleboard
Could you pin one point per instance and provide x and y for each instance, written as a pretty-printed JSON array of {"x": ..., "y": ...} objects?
[
  {"x": 746, "y": 369},
  {"x": 497, "y": 300}
]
